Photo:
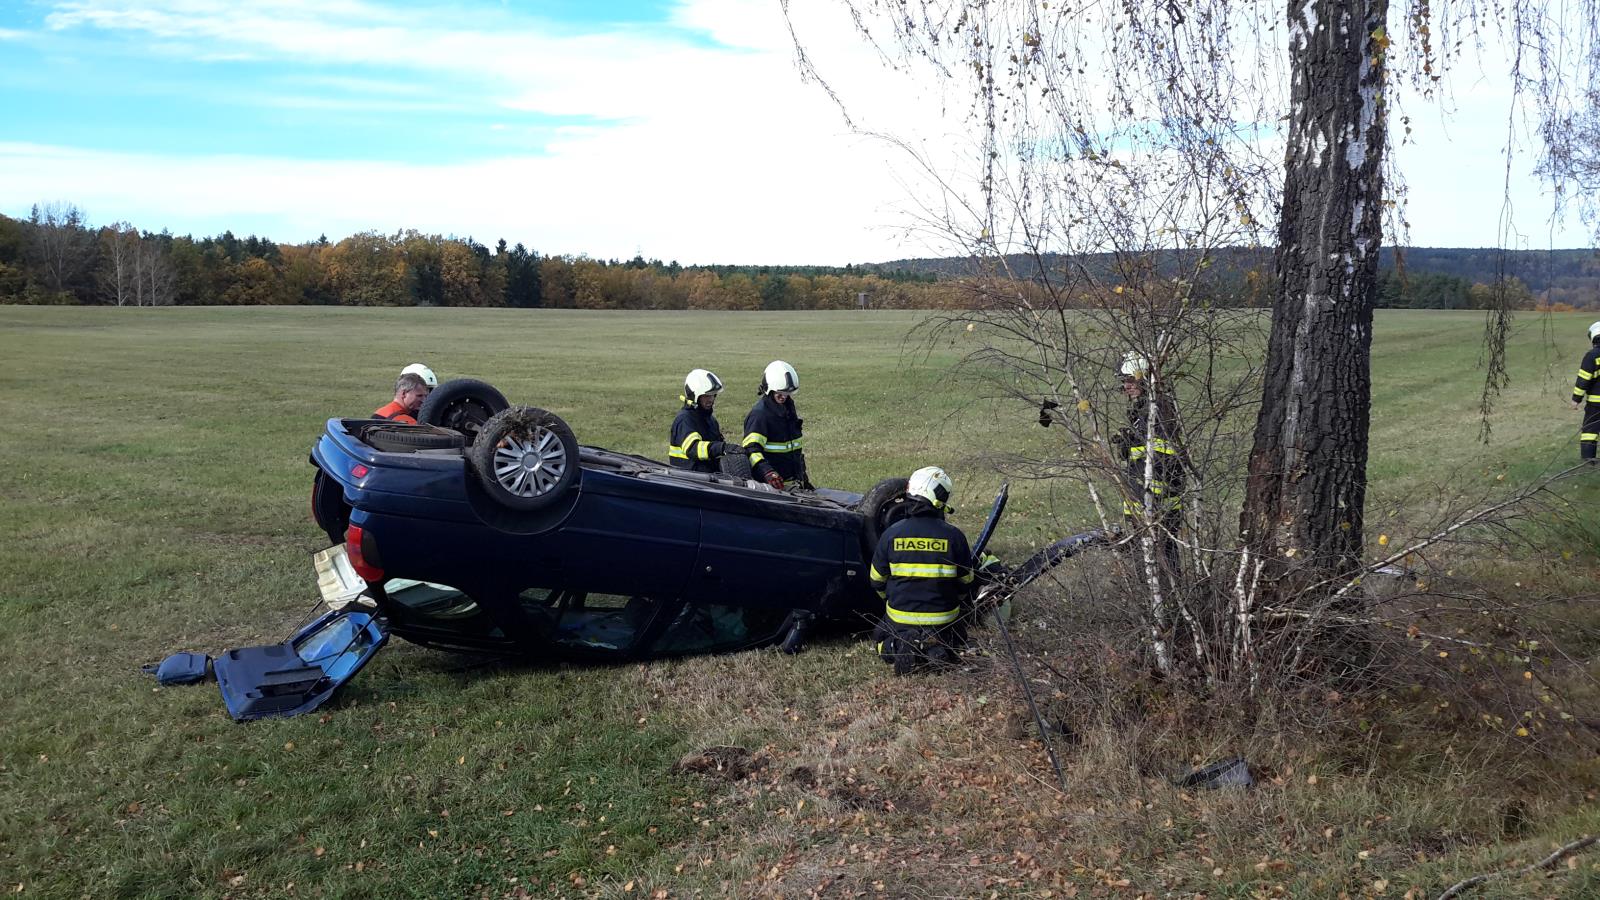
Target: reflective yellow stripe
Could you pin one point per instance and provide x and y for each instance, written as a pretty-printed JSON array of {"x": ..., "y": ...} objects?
[
  {"x": 681, "y": 451},
  {"x": 785, "y": 447},
  {"x": 1593, "y": 398},
  {"x": 875, "y": 575},
  {"x": 1586, "y": 436},
  {"x": 1160, "y": 446},
  {"x": 922, "y": 570},
  {"x": 922, "y": 618},
  {"x": 1577, "y": 392},
  {"x": 1585, "y": 375},
  {"x": 967, "y": 578},
  {"x": 753, "y": 442},
  {"x": 1134, "y": 510}
]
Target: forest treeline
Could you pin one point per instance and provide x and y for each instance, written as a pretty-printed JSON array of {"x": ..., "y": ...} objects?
[{"x": 56, "y": 257}]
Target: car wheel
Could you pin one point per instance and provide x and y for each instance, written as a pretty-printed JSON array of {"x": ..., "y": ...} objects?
[
  {"x": 735, "y": 464},
  {"x": 526, "y": 458},
  {"x": 407, "y": 438},
  {"x": 463, "y": 405},
  {"x": 328, "y": 508},
  {"x": 882, "y": 506}
]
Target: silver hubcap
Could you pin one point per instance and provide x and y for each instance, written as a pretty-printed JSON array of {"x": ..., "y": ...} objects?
[{"x": 530, "y": 464}]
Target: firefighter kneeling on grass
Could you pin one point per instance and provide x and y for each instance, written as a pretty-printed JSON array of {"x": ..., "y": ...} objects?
[{"x": 923, "y": 569}]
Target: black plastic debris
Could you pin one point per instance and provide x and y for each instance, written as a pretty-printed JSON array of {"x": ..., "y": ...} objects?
[{"x": 1228, "y": 773}]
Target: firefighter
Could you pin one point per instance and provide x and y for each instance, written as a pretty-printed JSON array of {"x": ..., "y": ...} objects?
[
  {"x": 1165, "y": 455},
  {"x": 410, "y": 389},
  {"x": 923, "y": 569},
  {"x": 1586, "y": 396},
  {"x": 696, "y": 441},
  {"x": 772, "y": 435}
]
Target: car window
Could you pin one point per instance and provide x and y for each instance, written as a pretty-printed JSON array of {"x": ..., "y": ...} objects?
[
  {"x": 337, "y": 646},
  {"x": 426, "y": 603},
  {"x": 710, "y": 627},
  {"x": 603, "y": 622}
]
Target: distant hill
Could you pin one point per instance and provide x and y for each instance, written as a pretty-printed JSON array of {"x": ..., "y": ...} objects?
[{"x": 1435, "y": 276}]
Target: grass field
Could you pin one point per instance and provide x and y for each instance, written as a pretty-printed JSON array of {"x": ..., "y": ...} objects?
[{"x": 155, "y": 499}]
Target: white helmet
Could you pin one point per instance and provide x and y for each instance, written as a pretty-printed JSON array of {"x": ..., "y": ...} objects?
[
  {"x": 1594, "y": 331},
  {"x": 780, "y": 376},
  {"x": 700, "y": 383},
  {"x": 423, "y": 372},
  {"x": 931, "y": 484},
  {"x": 1134, "y": 364}
]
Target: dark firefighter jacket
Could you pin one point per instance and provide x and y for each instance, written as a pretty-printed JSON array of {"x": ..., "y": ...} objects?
[
  {"x": 696, "y": 440},
  {"x": 1166, "y": 481},
  {"x": 394, "y": 412},
  {"x": 772, "y": 438},
  {"x": 1588, "y": 391},
  {"x": 923, "y": 569}
]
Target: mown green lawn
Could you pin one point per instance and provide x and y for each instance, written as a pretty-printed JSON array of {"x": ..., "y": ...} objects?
[{"x": 155, "y": 499}]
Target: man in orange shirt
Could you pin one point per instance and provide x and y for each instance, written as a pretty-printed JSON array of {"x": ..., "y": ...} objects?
[{"x": 409, "y": 392}]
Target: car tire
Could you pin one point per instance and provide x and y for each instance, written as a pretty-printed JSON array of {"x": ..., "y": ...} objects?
[
  {"x": 463, "y": 405},
  {"x": 328, "y": 507},
  {"x": 407, "y": 438},
  {"x": 882, "y": 506},
  {"x": 735, "y": 464},
  {"x": 526, "y": 458}
]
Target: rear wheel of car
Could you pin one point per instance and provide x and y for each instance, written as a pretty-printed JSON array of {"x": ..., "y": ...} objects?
[
  {"x": 463, "y": 405},
  {"x": 526, "y": 458},
  {"x": 882, "y": 506}
]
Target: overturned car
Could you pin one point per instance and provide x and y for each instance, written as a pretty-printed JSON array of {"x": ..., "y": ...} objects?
[{"x": 489, "y": 528}]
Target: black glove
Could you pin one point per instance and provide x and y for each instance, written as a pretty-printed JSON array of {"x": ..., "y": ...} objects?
[{"x": 1123, "y": 440}]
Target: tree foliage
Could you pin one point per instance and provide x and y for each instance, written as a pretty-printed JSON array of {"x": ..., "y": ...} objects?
[{"x": 55, "y": 257}]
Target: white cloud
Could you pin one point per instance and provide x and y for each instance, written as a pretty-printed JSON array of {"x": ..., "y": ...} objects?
[
  {"x": 706, "y": 153},
  {"x": 701, "y": 153}
]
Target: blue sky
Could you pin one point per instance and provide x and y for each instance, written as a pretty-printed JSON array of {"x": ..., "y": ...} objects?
[
  {"x": 573, "y": 127},
  {"x": 675, "y": 128}
]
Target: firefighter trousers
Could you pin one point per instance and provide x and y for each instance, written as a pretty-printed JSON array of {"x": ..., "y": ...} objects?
[{"x": 1590, "y": 432}]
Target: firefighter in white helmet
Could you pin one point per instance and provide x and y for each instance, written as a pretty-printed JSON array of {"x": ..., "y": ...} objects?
[
  {"x": 772, "y": 431},
  {"x": 415, "y": 383},
  {"x": 923, "y": 569},
  {"x": 1586, "y": 396},
  {"x": 696, "y": 440}
]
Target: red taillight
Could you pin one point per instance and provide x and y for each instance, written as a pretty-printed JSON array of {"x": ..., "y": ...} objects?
[
  {"x": 359, "y": 471},
  {"x": 354, "y": 539}
]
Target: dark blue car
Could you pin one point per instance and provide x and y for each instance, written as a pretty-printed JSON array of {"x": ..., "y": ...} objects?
[
  {"x": 490, "y": 529},
  {"x": 503, "y": 534}
]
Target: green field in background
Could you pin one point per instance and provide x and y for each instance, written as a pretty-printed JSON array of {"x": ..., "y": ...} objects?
[{"x": 156, "y": 498}]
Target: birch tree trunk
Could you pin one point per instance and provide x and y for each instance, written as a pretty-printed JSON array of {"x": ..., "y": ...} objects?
[{"x": 1308, "y": 464}]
